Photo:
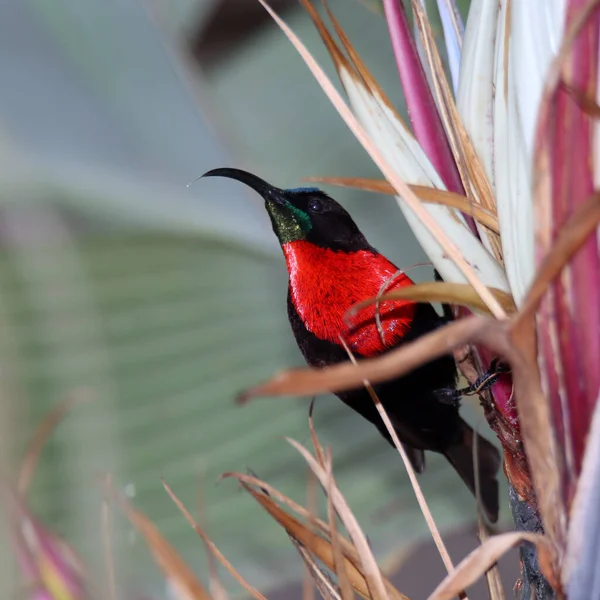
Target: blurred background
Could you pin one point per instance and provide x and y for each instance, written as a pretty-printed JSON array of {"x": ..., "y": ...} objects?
[{"x": 158, "y": 302}]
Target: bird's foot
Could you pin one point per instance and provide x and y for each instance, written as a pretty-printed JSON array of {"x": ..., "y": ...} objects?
[{"x": 483, "y": 383}]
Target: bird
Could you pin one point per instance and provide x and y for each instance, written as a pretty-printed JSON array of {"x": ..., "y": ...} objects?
[{"x": 331, "y": 268}]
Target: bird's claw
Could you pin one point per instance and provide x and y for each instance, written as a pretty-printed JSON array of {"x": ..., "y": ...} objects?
[
  {"x": 483, "y": 383},
  {"x": 448, "y": 396}
]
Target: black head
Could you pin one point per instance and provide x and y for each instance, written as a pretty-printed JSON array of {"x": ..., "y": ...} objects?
[{"x": 303, "y": 214}]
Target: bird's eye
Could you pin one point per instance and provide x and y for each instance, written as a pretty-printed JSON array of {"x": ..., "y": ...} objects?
[{"x": 315, "y": 205}]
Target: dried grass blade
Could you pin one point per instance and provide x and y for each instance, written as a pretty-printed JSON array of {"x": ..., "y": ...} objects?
[
  {"x": 423, "y": 192},
  {"x": 34, "y": 449},
  {"x": 300, "y": 510},
  {"x": 435, "y": 534},
  {"x": 460, "y": 294},
  {"x": 314, "y": 522},
  {"x": 308, "y": 582},
  {"x": 316, "y": 544},
  {"x": 357, "y": 65},
  {"x": 339, "y": 59},
  {"x": 323, "y": 582},
  {"x": 177, "y": 572},
  {"x": 372, "y": 573},
  {"x": 481, "y": 559},
  {"x": 217, "y": 589},
  {"x": 451, "y": 250},
  {"x": 313, "y": 434},
  {"x": 493, "y": 579},
  {"x": 210, "y": 545},
  {"x": 338, "y": 557}
]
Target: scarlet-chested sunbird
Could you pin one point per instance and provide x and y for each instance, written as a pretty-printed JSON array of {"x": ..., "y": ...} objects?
[{"x": 331, "y": 268}]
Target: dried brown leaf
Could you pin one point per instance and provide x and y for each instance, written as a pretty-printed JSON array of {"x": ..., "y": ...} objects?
[
  {"x": 460, "y": 294},
  {"x": 313, "y": 542},
  {"x": 308, "y": 582},
  {"x": 210, "y": 546},
  {"x": 313, "y": 434},
  {"x": 398, "y": 361},
  {"x": 492, "y": 576},
  {"x": 340, "y": 61},
  {"x": 423, "y": 192},
  {"x": 338, "y": 557},
  {"x": 481, "y": 559},
  {"x": 217, "y": 589},
  {"x": 318, "y": 576},
  {"x": 297, "y": 508},
  {"x": 371, "y": 570},
  {"x": 313, "y": 521},
  {"x": 361, "y": 68},
  {"x": 34, "y": 449},
  {"x": 167, "y": 558}
]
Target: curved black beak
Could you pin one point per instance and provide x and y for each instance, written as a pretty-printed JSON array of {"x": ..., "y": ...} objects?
[{"x": 266, "y": 190}]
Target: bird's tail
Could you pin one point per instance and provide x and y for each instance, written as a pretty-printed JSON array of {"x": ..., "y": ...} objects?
[{"x": 460, "y": 456}]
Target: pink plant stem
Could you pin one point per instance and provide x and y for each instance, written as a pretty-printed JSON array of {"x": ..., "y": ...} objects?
[
  {"x": 422, "y": 110},
  {"x": 575, "y": 301}
]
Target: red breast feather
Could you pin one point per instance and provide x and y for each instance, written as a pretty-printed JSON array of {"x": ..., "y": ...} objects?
[{"x": 325, "y": 284}]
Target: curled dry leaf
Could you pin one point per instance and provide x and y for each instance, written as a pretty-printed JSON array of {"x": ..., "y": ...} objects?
[
  {"x": 269, "y": 490},
  {"x": 460, "y": 294},
  {"x": 423, "y": 192},
  {"x": 314, "y": 522},
  {"x": 318, "y": 545},
  {"x": 210, "y": 546},
  {"x": 175, "y": 569},
  {"x": 482, "y": 558}
]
